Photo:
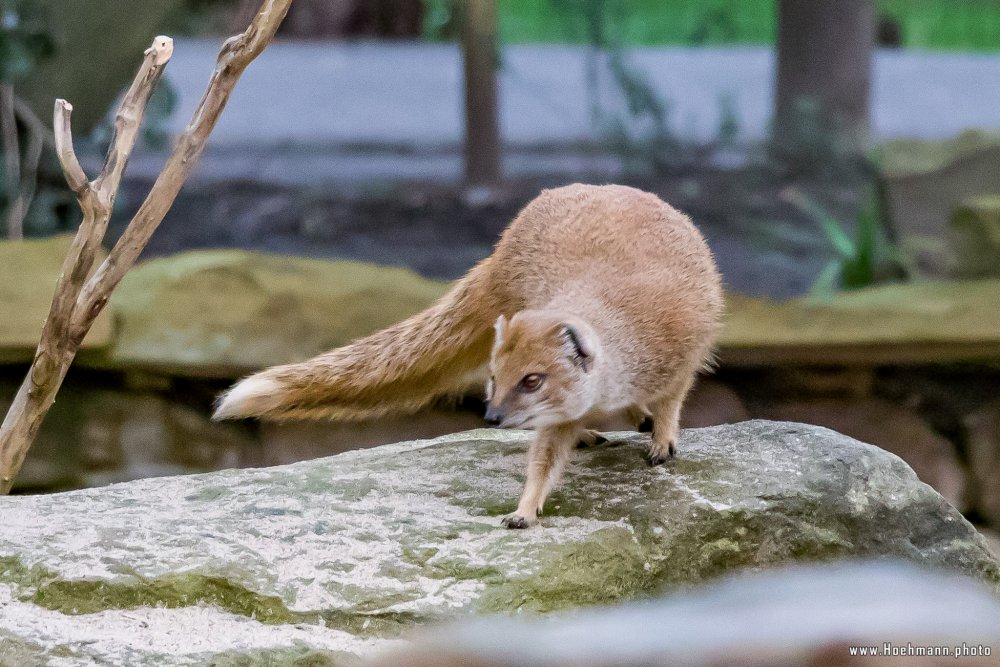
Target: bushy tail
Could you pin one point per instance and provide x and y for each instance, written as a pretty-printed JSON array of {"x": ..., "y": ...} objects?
[{"x": 398, "y": 370}]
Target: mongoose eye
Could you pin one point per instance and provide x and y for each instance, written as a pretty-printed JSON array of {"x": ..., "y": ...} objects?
[{"x": 531, "y": 382}]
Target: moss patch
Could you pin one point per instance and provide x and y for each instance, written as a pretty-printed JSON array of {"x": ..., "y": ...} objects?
[
  {"x": 179, "y": 590},
  {"x": 295, "y": 656}
]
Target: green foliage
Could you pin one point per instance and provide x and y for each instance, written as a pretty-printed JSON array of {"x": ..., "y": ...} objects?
[
  {"x": 197, "y": 17},
  {"x": 440, "y": 19},
  {"x": 860, "y": 260},
  {"x": 811, "y": 142},
  {"x": 969, "y": 25},
  {"x": 643, "y": 22},
  {"x": 24, "y": 41},
  {"x": 642, "y": 135},
  {"x": 27, "y": 40},
  {"x": 924, "y": 24}
]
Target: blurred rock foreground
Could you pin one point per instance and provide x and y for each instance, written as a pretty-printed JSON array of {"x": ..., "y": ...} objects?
[{"x": 334, "y": 558}]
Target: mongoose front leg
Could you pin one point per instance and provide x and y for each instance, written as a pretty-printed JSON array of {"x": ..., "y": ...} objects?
[
  {"x": 547, "y": 456},
  {"x": 666, "y": 423}
]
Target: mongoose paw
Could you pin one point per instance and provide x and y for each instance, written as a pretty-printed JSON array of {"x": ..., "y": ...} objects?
[
  {"x": 656, "y": 459},
  {"x": 656, "y": 456},
  {"x": 646, "y": 425},
  {"x": 516, "y": 521},
  {"x": 590, "y": 439}
]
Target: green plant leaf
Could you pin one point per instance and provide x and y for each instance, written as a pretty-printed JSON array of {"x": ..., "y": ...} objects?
[
  {"x": 826, "y": 283},
  {"x": 835, "y": 234}
]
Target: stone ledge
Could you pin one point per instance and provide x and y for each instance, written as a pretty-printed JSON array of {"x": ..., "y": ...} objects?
[{"x": 225, "y": 313}]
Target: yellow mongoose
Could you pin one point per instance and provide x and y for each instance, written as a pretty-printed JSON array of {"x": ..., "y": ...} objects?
[{"x": 596, "y": 300}]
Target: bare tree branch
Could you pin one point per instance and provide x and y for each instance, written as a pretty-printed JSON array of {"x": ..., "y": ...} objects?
[
  {"x": 11, "y": 159},
  {"x": 130, "y": 113},
  {"x": 63, "y": 133},
  {"x": 78, "y": 301},
  {"x": 236, "y": 54}
]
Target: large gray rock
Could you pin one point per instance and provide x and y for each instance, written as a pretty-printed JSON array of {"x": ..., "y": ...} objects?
[{"x": 333, "y": 558}]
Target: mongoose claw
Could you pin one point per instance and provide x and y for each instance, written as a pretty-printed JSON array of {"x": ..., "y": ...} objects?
[
  {"x": 514, "y": 521},
  {"x": 656, "y": 457}
]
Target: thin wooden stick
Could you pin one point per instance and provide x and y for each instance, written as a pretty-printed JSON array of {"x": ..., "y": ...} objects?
[
  {"x": 78, "y": 301},
  {"x": 63, "y": 133}
]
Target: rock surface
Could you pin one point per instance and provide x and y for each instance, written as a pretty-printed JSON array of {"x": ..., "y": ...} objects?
[
  {"x": 333, "y": 558},
  {"x": 794, "y": 616},
  {"x": 894, "y": 428}
]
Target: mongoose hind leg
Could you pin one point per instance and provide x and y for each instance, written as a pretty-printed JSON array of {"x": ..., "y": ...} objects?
[
  {"x": 547, "y": 456},
  {"x": 666, "y": 423},
  {"x": 590, "y": 438},
  {"x": 640, "y": 416}
]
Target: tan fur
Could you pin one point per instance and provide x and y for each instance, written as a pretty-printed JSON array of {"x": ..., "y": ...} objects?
[{"x": 627, "y": 274}]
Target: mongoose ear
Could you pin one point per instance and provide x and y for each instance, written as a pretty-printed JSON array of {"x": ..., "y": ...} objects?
[
  {"x": 582, "y": 350},
  {"x": 499, "y": 329}
]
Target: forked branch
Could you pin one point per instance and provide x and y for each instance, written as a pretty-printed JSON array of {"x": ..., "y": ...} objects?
[{"x": 78, "y": 300}]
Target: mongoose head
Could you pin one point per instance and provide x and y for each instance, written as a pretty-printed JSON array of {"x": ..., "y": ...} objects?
[{"x": 542, "y": 370}]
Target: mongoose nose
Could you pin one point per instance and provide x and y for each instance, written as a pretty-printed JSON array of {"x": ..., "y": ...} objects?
[{"x": 493, "y": 417}]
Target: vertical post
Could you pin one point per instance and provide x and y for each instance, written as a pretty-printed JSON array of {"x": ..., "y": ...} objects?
[
  {"x": 824, "y": 54},
  {"x": 480, "y": 55}
]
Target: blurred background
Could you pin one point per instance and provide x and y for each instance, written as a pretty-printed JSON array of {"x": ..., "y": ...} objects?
[{"x": 843, "y": 160}]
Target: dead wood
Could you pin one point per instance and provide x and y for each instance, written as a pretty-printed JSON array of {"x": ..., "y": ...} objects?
[{"x": 82, "y": 292}]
